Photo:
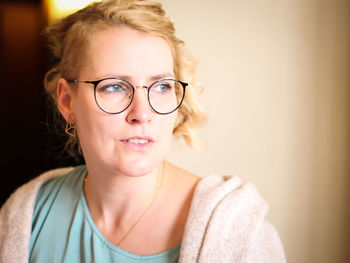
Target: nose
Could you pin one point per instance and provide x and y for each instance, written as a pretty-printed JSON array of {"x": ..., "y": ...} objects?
[{"x": 140, "y": 110}]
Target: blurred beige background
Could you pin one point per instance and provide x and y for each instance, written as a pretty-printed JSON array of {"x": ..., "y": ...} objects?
[{"x": 277, "y": 91}]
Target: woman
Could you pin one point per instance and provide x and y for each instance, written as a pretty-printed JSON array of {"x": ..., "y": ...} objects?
[{"x": 119, "y": 87}]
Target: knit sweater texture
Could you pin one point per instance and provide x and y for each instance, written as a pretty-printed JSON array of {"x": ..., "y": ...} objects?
[{"x": 225, "y": 224}]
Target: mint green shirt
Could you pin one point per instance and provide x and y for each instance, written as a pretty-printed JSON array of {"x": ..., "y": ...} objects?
[{"x": 63, "y": 230}]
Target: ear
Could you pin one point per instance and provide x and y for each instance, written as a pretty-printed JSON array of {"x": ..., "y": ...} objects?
[{"x": 64, "y": 99}]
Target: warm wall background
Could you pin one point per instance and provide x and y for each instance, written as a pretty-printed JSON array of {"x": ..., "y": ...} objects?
[
  {"x": 29, "y": 142},
  {"x": 277, "y": 91},
  {"x": 22, "y": 103}
]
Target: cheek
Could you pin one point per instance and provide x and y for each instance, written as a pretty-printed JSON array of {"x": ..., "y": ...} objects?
[
  {"x": 96, "y": 128},
  {"x": 89, "y": 119},
  {"x": 169, "y": 125},
  {"x": 82, "y": 102}
]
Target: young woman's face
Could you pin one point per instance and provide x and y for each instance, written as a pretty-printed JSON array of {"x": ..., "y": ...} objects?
[{"x": 134, "y": 141}]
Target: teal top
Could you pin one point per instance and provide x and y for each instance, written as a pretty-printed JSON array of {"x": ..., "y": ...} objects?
[{"x": 63, "y": 230}]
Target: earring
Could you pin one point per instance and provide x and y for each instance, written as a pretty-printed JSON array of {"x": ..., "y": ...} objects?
[{"x": 70, "y": 128}]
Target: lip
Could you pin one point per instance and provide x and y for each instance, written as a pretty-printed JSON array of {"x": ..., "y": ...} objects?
[{"x": 138, "y": 146}]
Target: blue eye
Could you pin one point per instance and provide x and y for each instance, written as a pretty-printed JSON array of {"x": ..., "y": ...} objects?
[
  {"x": 162, "y": 87},
  {"x": 114, "y": 88}
]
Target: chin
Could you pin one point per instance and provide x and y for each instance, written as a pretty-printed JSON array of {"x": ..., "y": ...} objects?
[{"x": 138, "y": 168}]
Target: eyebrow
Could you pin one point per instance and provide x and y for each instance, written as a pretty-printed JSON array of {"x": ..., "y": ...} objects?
[
  {"x": 162, "y": 76},
  {"x": 152, "y": 78}
]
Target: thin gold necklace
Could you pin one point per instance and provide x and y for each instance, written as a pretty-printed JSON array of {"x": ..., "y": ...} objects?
[{"x": 159, "y": 185}]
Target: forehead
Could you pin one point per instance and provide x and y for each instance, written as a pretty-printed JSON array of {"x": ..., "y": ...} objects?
[{"x": 126, "y": 51}]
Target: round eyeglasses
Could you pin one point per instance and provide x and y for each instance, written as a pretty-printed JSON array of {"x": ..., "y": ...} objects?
[{"x": 114, "y": 95}]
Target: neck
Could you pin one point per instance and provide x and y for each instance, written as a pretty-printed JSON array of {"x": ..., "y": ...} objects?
[{"x": 116, "y": 198}]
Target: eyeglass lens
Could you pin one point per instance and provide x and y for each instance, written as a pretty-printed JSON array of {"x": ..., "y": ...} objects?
[{"x": 115, "y": 95}]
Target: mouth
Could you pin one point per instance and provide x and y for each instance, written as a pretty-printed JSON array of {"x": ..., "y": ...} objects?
[{"x": 138, "y": 142}]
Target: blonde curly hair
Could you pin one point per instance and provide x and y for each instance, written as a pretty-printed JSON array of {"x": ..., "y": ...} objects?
[{"x": 69, "y": 41}]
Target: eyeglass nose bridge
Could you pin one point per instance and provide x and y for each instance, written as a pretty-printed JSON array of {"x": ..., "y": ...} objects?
[
  {"x": 145, "y": 87},
  {"x": 147, "y": 95}
]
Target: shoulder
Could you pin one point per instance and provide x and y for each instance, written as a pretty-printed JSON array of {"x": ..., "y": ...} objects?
[
  {"x": 16, "y": 217},
  {"x": 65, "y": 187},
  {"x": 64, "y": 177},
  {"x": 228, "y": 215},
  {"x": 24, "y": 197},
  {"x": 28, "y": 191},
  {"x": 229, "y": 192}
]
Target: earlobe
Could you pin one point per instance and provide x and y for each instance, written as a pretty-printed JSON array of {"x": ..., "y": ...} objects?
[{"x": 64, "y": 98}]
